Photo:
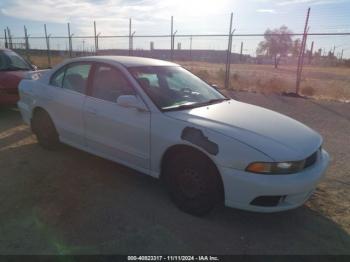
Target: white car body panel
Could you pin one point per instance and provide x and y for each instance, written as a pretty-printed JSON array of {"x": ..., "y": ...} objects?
[
  {"x": 114, "y": 134},
  {"x": 263, "y": 129},
  {"x": 139, "y": 139}
]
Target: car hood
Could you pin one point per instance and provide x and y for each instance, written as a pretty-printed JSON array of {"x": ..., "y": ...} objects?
[{"x": 278, "y": 136}]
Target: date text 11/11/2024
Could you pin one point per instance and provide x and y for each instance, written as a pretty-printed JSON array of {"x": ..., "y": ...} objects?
[{"x": 173, "y": 258}]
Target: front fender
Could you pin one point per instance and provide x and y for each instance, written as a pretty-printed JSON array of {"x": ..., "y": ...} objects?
[{"x": 167, "y": 132}]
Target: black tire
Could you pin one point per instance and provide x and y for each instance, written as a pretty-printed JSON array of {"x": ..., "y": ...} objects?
[
  {"x": 45, "y": 130},
  {"x": 193, "y": 183}
]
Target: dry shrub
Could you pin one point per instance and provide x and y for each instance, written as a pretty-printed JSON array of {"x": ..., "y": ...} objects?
[
  {"x": 308, "y": 91},
  {"x": 41, "y": 61},
  {"x": 220, "y": 74},
  {"x": 235, "y": 76},
  {"x": 273, "y": 85},
  {"x": 204, "y": 74}
]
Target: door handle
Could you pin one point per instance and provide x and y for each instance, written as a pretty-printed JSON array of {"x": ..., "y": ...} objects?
[{"x": 91, "y": 111}]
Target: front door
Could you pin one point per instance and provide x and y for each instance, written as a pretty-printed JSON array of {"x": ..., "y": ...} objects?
[{"x": 113, "y": 131}]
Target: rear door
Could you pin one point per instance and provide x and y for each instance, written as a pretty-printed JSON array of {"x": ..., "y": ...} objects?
[
  {"x": 113, "y": 131},
  {"x": 66, "y": 96}
]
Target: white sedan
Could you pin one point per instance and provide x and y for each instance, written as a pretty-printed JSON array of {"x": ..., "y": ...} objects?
[{"x": 156, "y": 117}]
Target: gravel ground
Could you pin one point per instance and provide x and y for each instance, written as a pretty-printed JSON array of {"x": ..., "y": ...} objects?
[{"x": 71, "y": 202}]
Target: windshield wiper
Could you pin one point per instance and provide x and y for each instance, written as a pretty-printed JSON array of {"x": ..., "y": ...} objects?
[
  {"x": 180, "y": 107},
  {"x": 217, "y": 100},
  {"x": 194, "y": 105}
]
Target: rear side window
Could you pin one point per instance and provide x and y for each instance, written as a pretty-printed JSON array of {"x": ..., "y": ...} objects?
[
  {"x": 57, "y": 78},
  {"x": 76, "y": 76},
  {"x": 10, "y": 61}
]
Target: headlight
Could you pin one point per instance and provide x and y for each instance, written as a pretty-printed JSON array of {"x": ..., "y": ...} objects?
[{"x": 276, "y": 167}]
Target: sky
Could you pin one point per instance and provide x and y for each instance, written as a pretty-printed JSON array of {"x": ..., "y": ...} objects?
[{"x": 190, "y": 17}]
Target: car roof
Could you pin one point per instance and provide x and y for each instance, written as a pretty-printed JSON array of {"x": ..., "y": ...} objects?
[
  {"x": 127, "y": 61},
  {"x": 5, "y": 49}
]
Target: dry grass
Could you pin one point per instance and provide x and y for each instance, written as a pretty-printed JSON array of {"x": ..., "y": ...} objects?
[
  {"x": 318, "y": 82},
  {"x": 41, "y": 61},
  {"x": 332, "y": 83}
]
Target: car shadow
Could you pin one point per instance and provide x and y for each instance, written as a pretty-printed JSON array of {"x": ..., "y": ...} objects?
[{"x": 71, "y": 202}]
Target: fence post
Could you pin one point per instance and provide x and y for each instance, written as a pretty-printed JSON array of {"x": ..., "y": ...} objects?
[
  {"x": 174, "y": 44},
  {"x": 191, "y": 47},
  {"x": 48, "y": 46},
  {"x": 6, "y": 44},
  {"x": 228, "y": 56},
  {"x": 9, "y": 38},
  {"x": 69, "y": 41},
  {"x": 130, "y": 44},
  {"x": 302, "y": 53},
  {"x": 241, "y": 53},
  {"x": 95, "y": 36},
  {"x": 341, "y": 55},
  {"x": 26, "y": 42},
  {"x": 171, "y": 38}
]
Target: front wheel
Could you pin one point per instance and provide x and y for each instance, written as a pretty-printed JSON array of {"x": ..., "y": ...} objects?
[
  {"x": 45, "y": 130},
  {"x": 193, "y": 183}
]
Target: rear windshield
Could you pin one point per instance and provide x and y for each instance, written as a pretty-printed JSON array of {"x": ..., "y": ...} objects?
[{"x": 10, "y": 61}]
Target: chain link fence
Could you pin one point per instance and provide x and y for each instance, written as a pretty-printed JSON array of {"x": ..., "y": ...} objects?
[{"x": 232, "y": 61}]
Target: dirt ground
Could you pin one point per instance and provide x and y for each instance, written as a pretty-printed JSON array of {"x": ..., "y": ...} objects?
[{"x": 71, "y": 202}]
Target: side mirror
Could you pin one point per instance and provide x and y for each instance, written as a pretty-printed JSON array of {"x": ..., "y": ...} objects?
[
  {"x": 132, "y": 102},
  {"x": 35, "y": 67}
]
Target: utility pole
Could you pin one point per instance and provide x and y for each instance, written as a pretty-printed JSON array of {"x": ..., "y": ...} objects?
[
  {"x": 302, "y": 52},
  {"x": 6, "y": 44},
  {"x": 171, "y": 38},
  {"x": 26, "y": 42},
  {"x": 241, "y": 54},
  {"x": 311, "y": 52},
  {"x": 48, "y": 46},
  {"x": 228, "y": 56}
]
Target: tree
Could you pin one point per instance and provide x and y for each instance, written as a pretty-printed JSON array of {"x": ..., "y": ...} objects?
[{"x": 277, "y": 43}]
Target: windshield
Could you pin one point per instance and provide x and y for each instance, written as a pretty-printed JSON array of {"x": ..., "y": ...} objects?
[
  {"x": 10, "y": 61},
  {"x": 174, "y": 88}
]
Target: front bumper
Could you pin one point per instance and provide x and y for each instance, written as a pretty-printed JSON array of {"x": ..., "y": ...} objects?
[
  {"x": 25, "y": 111},
  {"x": 242, "y": 188}
]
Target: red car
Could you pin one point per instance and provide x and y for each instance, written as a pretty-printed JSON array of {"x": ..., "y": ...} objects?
[{"x": 12, "y": 70}]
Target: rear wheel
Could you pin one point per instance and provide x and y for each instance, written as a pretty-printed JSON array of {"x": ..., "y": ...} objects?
[
  {"x": 193, "y": 183},
  {"x": 45, "y": 130}
]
